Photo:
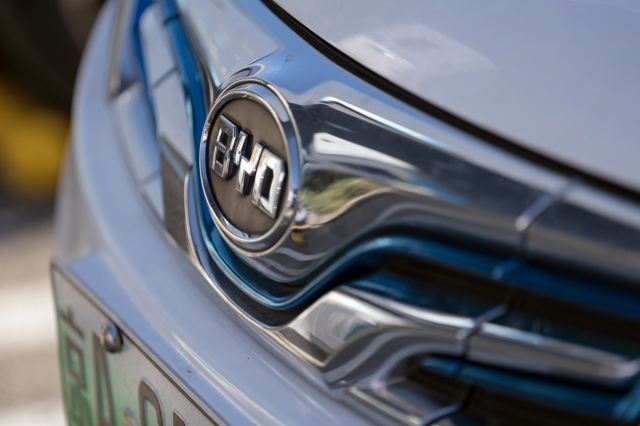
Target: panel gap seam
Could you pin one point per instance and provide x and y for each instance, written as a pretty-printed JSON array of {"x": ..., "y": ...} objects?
[
  {"x": 536, "y": 210},
  {"x": 491, "y": 315}
]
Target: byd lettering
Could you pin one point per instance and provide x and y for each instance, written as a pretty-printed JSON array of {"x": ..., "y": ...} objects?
[{"x": 263, "y": 167}]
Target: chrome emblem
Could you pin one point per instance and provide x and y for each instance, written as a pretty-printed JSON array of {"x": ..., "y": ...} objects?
[
  {"x": 268, "y": 170},
  {"x": 250, "y": 167}
]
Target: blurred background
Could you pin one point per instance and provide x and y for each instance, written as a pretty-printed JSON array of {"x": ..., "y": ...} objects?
[{"x": 41, "y": 43}]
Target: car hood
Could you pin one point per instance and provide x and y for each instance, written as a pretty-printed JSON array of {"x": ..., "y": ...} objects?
[{"x": 558, "y": 77}]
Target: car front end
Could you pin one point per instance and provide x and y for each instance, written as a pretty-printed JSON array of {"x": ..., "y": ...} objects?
[{"x": 257, "y": 226}]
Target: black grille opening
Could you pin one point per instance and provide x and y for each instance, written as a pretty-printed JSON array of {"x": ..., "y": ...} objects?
[
  {"x": 489, "y": 405},
  {"x": 455, "y": 282},
  {"x": 486, "y": 397},
  {"x": 436, "y": 386}
]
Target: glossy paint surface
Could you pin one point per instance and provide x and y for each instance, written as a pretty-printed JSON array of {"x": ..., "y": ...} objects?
[{"x": 558, "y": 77}]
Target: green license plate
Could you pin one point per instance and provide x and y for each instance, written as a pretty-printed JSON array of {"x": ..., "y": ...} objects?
[{"x": 108, "y": 389}]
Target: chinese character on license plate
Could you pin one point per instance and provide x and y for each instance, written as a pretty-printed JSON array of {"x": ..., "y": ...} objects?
[{"x": 110, "y": 389}]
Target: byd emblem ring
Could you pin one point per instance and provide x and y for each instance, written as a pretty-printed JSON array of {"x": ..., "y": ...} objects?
[{"x": 250, "y": 166}]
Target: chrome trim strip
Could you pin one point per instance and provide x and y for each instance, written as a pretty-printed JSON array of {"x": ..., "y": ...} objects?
[
  {"x": 506, "y": 347},
  {"x": 590, "y": 229},
  {"x": 348, "y": 334},
  {"x": 398, "y": 409},
  {"x": 329, "y": 100}
]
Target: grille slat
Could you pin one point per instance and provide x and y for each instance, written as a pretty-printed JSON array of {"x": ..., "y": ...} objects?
[{"x": 548, "y": 359}]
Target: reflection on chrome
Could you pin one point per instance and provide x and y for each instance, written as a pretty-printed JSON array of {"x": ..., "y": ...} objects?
[
  {"x": 506, "y": 347},
  {"x": 328, "y": 144},
  {"x": 327, "y": 196},
  {"x": 394, "y": 406},
  {"x": 350, "y": 189},
  {"x": 329, "y": 100},
  {"x": 363, "y": 343},
  {"x": 360, "y": 345},
  {"x": 349, "y": 334}
]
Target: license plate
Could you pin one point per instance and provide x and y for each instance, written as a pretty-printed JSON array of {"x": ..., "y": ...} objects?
[{"x": 108, "y": 389}]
